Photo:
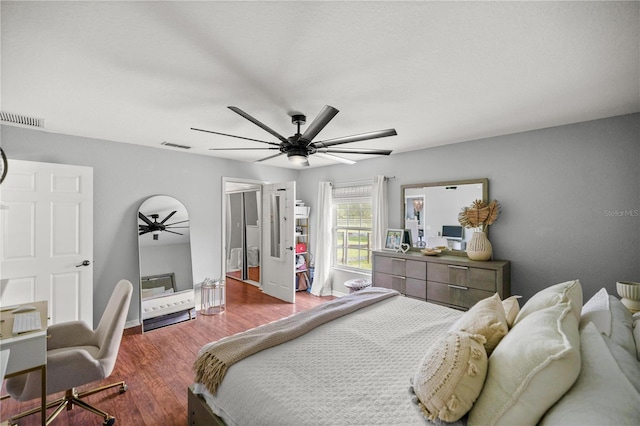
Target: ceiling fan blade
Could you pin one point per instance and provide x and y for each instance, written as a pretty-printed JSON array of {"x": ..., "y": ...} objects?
[
  {"x": 166, "y": 230},
  {"x": 318, "y": 123},
  {"x": 355, "y": 151},
  {"x": 238, "y": 149},
  {"x": 175, "y": 223},
  {"x": 145, "y": 219},
  {"x": 144, "y": 232},
  {"x": 269, "y": 157},
  {"x": 335, "y": 158},
  {"x": 356, "y": 138},
  {"x": 257, "y": 123},
  {"x": 167, "y": 218},
  {"x": 234, "y": 136}
]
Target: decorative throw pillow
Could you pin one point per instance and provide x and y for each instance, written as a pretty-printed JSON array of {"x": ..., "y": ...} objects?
[
  {"x": 597, "y": 311},
  {"x": 511, "y": 309},
  {"x": 602, "y": 395},
  {"x": 627, "y": 362},
  {"x": 450, "y": 376},
  {"x": 621, "y": 325},
  {"x": 487, "y": 318},
  {"x": 569, "y": 290},
  {"x": 533, "y": 366}
]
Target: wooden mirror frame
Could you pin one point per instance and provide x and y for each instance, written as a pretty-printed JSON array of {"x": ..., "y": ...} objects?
[{"x": 403, "y": 188}]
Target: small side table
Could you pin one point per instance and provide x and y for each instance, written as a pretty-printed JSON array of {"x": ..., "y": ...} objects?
[
  {"x": 357, "y": 284},
  {"x": 212, "y": 297}
]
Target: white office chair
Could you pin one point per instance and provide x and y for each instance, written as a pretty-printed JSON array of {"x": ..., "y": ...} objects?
[{"x": 78, "y": 355}]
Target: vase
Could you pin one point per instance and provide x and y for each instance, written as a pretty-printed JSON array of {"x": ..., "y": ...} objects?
[{"x": 479, "y": 247}]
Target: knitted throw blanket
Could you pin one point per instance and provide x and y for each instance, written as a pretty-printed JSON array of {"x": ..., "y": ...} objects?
[{"x": 216, "y": 358}]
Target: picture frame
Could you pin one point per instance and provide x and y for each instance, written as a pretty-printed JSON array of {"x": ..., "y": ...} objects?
[
  {"x": 406, "y": 237},
  {"x": 393, "y": 239}
]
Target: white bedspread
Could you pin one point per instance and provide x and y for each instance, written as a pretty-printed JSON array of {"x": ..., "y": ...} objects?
[{"x": 354, "y": 370}]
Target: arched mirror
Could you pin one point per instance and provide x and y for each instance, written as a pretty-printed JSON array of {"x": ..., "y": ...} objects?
[
  {"x": 166, "y": 276},
  {"x": 430, "y": 212}
]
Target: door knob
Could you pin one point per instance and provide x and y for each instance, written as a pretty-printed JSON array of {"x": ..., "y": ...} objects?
[
  {"x": 289, "y": 248},
  {"x": 84, "y": 263}
]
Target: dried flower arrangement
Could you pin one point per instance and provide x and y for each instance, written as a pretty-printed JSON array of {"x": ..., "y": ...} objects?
[{"x": 479, "y": 215}]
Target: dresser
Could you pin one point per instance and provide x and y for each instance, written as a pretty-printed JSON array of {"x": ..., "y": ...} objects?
[{"x": 453, "y": 281}]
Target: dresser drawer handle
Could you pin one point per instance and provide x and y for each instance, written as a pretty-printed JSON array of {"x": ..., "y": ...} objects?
[
  {"x": 458, "y": 287},
  {"x": 398, "y": 276},
  {"x": 458, "y": 267},
  {"x": 395, "y": 259}
]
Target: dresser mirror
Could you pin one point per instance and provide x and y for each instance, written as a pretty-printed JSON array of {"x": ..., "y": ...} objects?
[
  {"x": 430, "y": 212},
  {"x": 166, "y": 276}
]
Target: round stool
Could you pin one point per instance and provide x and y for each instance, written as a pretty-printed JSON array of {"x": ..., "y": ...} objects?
[
  {"x": 357, "y": 284},
  {"x": 212, "y": 297}
]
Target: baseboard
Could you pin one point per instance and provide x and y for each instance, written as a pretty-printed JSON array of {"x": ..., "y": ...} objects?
[{"x": 132, "y": 323}]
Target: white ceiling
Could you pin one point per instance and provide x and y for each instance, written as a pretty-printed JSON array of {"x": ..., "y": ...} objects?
[{"x": 438, "y": 72}]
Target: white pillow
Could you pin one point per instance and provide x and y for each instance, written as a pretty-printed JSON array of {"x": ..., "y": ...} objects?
[
  {"x": 621, "y": 325},
  {"x": 531, "y": 368},
  {"x": 636, "y": 333},
  {"x": 486, "y": 317},
  {"x": 597, "y": 311},
  {"x": 511, "y": 309},
  {"x": 569, "y": 290},
  {"x": 627, "y": 362},
  {"x": 601, "y": 395}
]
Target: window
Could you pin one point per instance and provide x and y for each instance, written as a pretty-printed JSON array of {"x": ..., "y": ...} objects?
[{"x": 352, "y": 227}]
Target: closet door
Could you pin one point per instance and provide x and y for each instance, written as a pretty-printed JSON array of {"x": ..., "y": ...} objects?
[{"x": 47, "y": 238}]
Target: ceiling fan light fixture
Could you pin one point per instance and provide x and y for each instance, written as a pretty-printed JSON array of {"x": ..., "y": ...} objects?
[
  {"x": 297, "y": 158},
  {"x": 298, "y": 155}
]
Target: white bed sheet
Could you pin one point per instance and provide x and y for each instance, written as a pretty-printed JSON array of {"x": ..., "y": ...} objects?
[{"x": 354, "y": 370}]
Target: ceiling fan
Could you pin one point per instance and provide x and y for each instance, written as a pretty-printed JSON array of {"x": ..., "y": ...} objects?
[
  {"x": 299, "y": 146},
  {"x": 156, "y": 227}
]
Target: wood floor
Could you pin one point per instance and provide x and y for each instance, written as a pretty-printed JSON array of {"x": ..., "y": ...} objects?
[{"x": 157, "y": 365}]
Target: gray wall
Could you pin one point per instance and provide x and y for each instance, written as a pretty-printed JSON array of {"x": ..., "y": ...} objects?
[
  {"x": 124, "y": 176},
  {"x": 562, "y": 192}
]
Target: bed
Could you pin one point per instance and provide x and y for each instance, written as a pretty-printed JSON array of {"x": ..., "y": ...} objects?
[{"x": 397, "y": 361}]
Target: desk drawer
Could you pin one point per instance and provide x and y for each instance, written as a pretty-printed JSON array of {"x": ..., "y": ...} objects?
[
  {"x": 456, "y": 295},
  {"x": 475, "y": 278}
]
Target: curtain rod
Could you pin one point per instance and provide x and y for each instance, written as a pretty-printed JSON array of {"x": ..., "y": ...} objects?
[{"x": 358, "y": 182}]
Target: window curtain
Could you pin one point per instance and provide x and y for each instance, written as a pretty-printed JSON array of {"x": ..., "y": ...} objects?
[
  {"x": 379, "y": 211},
  {"x": 321, "y": 285}
]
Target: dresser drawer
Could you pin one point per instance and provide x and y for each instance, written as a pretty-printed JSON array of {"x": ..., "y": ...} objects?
[
  {"x": 391, "y": 265},
  {"x": 394, "y": 282},
  {"x": 416, "y": 269},
  {"x": 475, "y": 278},
  {"x": 455, "y": 295},
  {"x": 416, "y": 288}
]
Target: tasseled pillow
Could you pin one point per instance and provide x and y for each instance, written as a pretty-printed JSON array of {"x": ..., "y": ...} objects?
[{"x": 450, "y": 376}]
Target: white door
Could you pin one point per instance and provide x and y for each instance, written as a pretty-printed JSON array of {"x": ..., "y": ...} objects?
[
  {"x": 46, "y": 236},
  {"x": 278, "y": 230}
]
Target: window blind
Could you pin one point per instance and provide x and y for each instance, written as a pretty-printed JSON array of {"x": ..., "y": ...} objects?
[{"x": 351, "y": 194}]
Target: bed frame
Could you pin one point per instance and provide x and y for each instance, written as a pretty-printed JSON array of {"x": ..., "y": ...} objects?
[{"x": 200, "y": 413}]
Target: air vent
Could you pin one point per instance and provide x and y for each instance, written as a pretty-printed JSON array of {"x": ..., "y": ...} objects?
[
  {"x": 8, "y": 117},
  {"x": 175, "y": 145}
]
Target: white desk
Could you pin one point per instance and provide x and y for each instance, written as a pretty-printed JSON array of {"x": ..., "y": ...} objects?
[{"x": 28, "y": 350}]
